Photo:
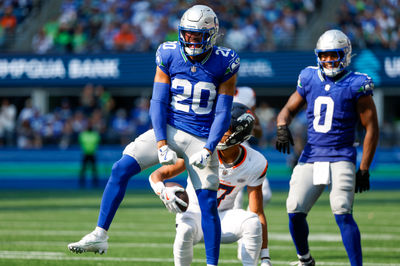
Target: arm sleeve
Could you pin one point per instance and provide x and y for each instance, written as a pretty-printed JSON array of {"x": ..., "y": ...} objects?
[
  {"x": 221, "y": 121},
  {"x": 158, "y": 109}
]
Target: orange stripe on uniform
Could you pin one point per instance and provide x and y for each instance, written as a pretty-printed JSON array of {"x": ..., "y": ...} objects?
[{"x": 265, "y": 170}]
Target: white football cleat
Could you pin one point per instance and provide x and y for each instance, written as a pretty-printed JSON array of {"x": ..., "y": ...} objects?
[
  {"x": 95, "y": 241},
  {"x": 304, "y": 262}
]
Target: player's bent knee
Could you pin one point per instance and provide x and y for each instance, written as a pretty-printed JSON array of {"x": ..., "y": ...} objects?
[
  {"x": 185, "y": 231},
  {"x": 340, "y": 205},
  {"x": 123, "y": 169},
  {"x": 293, "y": 206},
  {"x": 252, "y": 226}
]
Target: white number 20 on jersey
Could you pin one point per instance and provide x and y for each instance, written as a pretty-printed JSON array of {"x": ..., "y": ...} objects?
[
  {"x": 199, "y": 106},
  {"x": 327, "y": 125}
]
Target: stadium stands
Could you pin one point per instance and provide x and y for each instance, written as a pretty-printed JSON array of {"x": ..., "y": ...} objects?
[
  {"x": 89, "y": 26},
  {"x": 98, "y": 26}
]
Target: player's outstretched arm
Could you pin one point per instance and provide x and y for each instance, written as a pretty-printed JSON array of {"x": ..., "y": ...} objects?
[
  {"x": 219, "y": 125},
  {"x": 158, "y": 114},
  {"x": 167, "y": 194},
  {"x": 285, "y": 116},
  {"x": 256, "y": 206},
  {"x": 291, "y": 108},
  {"x": 222, "y": 113},
  {"x": 369, "y": 120}
]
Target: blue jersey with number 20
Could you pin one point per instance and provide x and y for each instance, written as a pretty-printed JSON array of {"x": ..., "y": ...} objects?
[
  {"x": 331, "y": 114},
  {"x": 194, "y": 85}
]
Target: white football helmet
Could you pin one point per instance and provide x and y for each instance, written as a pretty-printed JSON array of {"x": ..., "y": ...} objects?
[
  {"x": 199, "y": 19},
  {"x": 246, "y": 96},
  {"x": 334, "y": 41}
]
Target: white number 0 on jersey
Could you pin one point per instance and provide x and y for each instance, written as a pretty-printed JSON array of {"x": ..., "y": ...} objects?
[
  {"x": 327, "y": 125},
  {"x": 199, "y": 106}
]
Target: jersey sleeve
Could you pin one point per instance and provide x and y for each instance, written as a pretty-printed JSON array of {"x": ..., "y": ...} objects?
[
  {"x": 301, "y": 83},
  {"x": 232, "y": 65},
  {"x": 363, "y": 86},
  {"x": 162, "y": 59},
  {"x": 259, "y": 172}
]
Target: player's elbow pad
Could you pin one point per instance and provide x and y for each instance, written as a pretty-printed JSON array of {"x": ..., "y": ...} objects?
[
  {"x": 221, "y": 121},
  {"x": 158, "y": 109}
]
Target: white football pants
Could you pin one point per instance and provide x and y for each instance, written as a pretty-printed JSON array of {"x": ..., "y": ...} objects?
[
  {"x": 303, "y": 193},
  {"x": 144, "y": 150},
  {"x": 235, "y": 224}
]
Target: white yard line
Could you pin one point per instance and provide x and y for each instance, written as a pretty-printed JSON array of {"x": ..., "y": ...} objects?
[
  {"x": 199, "y": 246},
  {"x": 131, "y": 233},
  {"x": 59, "y": 256}
]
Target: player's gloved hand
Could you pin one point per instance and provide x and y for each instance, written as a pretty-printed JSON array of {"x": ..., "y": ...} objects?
[
  {"x": 266, "y": 262},
  {"x": 167, "y": 195},
  {"x": 284, "y": 139},
  {"x": 166, "y": 156},
  {"x": 200, "y": 159},
  {"x": 170, "y": 200},
  {"x": 362, "y": 180}
]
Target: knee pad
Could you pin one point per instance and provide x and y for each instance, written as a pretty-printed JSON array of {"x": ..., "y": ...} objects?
[
  {"x": 252, "y": 227},
  {"x": 340, "y": 205},
  {"x": 185, "y": 231},
  {"x": 183, "y": 244},
  {"x": 292, "y": 205}
]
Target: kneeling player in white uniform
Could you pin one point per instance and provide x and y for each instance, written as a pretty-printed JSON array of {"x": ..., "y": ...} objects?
[
  {"x": 239, "y": 166},
  {"x": 247, "y": 96}
]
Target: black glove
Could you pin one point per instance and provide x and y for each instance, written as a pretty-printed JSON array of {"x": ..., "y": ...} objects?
[
  {"x": 284, "y": 139},
  {"x": 362, "y": 180}
]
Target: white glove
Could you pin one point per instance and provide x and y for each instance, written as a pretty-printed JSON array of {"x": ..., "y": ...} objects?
[
  {"x": 266, "y": 262},
  {"x": 166, "y": 156},
  {"x": 167, "y": 195},
  {"x": 200, "y": 159},
  {"x": 170, "y": 199}
]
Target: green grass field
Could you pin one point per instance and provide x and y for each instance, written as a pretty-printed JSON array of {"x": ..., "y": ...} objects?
[{"x": 36, "y": 226}]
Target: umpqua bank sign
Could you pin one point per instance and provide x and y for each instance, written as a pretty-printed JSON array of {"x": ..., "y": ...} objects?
[
  {"x": 77, "y": 70},
  {"x": 59, "y": 68}
]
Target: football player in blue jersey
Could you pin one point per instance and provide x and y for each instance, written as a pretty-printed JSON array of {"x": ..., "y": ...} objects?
[
  {"x": 336, "y": 99},
  {"x": 190, "y": 111}
]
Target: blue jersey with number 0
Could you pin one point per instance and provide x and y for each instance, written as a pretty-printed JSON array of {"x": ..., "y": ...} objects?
[
  {"x": 331, "y": 113},
  {"x": 194, "y": 85}
]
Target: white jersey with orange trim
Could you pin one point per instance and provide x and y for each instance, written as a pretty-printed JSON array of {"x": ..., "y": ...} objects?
[{"x": 250, "y": 170}]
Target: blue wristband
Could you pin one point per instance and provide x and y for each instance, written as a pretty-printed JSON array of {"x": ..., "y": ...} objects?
[
  {"x": 158, "y": 109},
  {"x": 221, "y": 121}
]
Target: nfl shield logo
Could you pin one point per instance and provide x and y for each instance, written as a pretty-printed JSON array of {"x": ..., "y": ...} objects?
[{"x": 193, "y": 69}]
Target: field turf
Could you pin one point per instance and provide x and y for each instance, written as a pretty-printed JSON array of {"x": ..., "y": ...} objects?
[{"x": 36, "y": 226}]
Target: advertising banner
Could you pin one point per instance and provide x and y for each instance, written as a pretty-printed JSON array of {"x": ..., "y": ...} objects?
[{"x": 264, "y": 70}]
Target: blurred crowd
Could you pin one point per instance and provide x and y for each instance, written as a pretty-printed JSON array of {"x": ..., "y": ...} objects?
[
  {"x": 28, "y": 128},
  {"x": 245, "y": 25},
  {"x": 371, "y": 24},
  {"x": 13, "y": 13},
  {"x": 139, "y": 26}
]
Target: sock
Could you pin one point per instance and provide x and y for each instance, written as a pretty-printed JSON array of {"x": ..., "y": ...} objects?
[
  {"x": 210, "y": 224},
  {"x": 350, "y": 237},
  {"x": 298, "y": 228},
  {"x": 114, "y": 192}
]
